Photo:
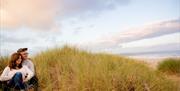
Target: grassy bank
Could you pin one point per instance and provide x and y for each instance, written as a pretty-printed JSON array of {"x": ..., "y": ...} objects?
[{"x": 69, "y": 69}]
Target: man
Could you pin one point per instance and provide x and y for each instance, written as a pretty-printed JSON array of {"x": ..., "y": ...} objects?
[{"x": 28, "y": 62}]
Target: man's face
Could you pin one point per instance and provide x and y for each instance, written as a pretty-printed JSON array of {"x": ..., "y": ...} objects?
[{"x": 24, "y": 54}]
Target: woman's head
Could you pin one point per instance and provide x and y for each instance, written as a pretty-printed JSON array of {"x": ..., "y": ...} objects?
[{"x": 15, "y": 61}]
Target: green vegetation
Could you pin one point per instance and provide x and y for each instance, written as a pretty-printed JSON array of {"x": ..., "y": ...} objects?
[
  {"x": 69, "y": 69},
  {"x": 170, "y": 65}
]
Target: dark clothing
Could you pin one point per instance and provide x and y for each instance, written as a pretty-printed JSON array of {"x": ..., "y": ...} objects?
[
  {"x": 3, "y": 86},
  {"x": 8, "y": 85},
  {"x": 34, "y": 83}
]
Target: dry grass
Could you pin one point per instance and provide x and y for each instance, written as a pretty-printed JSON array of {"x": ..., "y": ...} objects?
[{"x": 69, "y": 69}]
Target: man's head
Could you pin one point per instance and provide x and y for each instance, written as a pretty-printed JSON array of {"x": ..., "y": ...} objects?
[{"x": 23, "y": 52}]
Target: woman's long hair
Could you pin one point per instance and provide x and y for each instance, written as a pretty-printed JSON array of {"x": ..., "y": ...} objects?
[{"x": 14, "y": 58}]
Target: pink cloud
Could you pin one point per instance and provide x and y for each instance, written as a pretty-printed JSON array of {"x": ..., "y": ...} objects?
[
  {"x": 44, "y": 13},
  {"x": 31, "y": 13}
]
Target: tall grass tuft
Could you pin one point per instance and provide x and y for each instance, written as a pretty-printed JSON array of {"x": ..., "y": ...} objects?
[{"x": 170, "y": 65}]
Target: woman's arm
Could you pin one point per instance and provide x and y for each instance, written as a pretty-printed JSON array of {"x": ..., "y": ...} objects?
[{"x": 4, "y": 76}]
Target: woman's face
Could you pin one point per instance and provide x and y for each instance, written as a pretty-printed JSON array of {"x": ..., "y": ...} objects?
[{"x": 19, "y": 60}]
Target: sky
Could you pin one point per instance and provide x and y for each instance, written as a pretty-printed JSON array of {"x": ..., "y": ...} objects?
[{"x": 113, "y": 26}]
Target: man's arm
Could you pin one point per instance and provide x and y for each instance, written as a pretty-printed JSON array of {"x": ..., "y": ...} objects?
[
  {"x": 31, "y": 66},
  {"x": 30, "y": 74}
]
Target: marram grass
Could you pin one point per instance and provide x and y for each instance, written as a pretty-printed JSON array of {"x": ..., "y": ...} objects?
[
  {"x": 170, "y": 66},
  {"x": 69, "y": 69}
]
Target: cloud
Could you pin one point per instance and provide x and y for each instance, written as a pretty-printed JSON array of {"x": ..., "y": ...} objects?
[
  {"x": 44, "y": 14},
  {"x": 11, "y": 40},
  {"x": 88, "y": 6},
  {"x": 169, "y": 49},
  {"x": 130, "y": 35},
  {"x": 28, "y": 37},
  {"x": 149, "y": 31},
  {"x": 31, "y": 13}
]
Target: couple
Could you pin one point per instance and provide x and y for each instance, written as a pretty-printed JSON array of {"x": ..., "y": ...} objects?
[{"x": 20, "y": 72}]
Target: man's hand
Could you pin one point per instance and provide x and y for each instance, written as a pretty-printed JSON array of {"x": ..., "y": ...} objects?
[{"x": 25, "y": 79}]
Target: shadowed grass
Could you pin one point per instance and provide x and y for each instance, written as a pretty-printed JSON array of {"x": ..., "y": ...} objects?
[
  {"x": 69, "y": 69},
  {"x": 3, "y": 64}
]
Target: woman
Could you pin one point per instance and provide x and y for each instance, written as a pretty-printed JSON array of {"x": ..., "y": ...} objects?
[{"x": 15, "y": 74}]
